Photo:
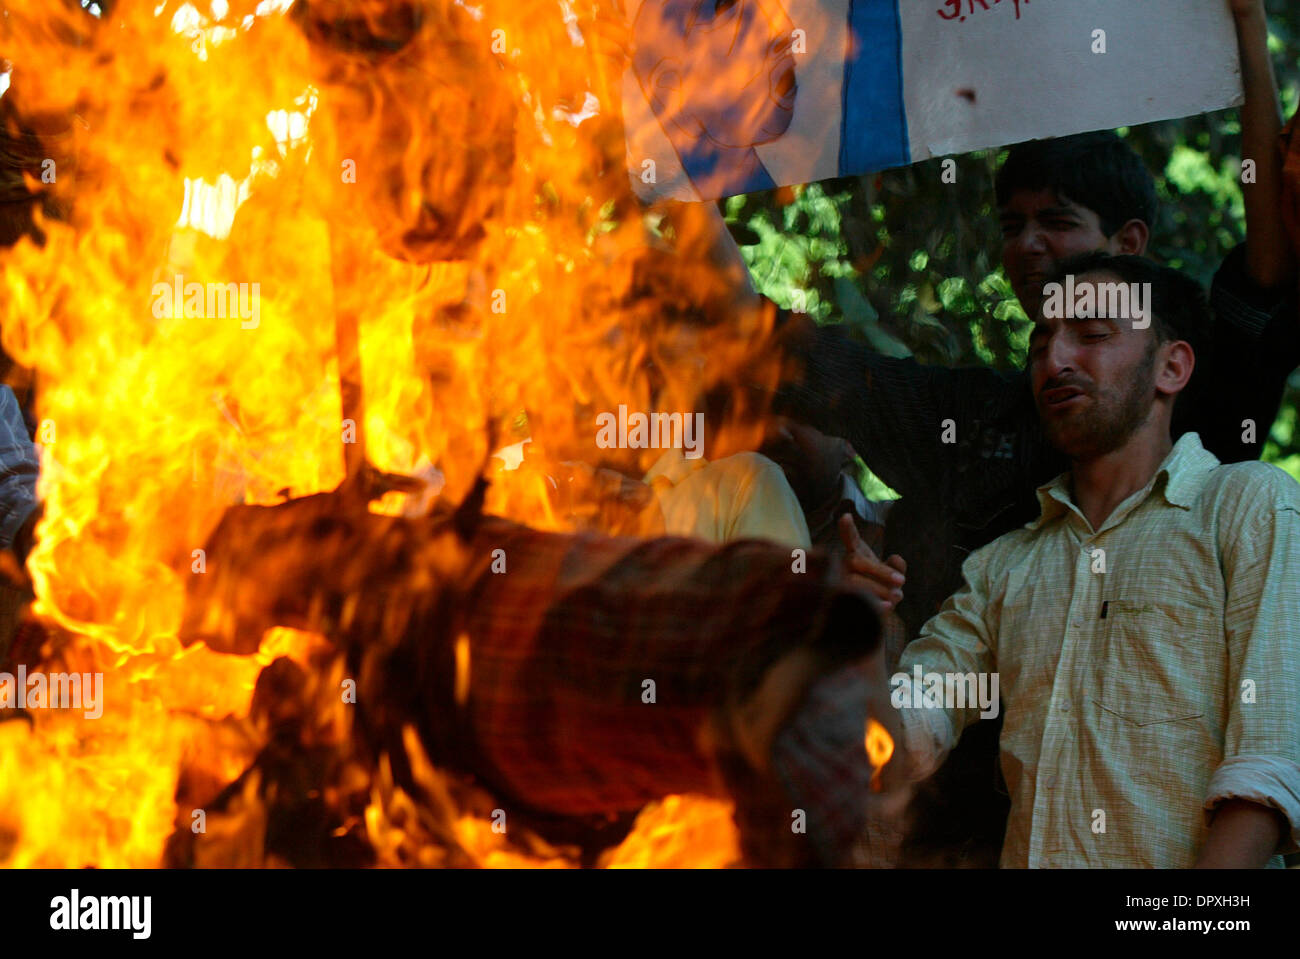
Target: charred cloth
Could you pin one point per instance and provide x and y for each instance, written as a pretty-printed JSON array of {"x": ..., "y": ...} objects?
[{"x": 573, "y": 677}]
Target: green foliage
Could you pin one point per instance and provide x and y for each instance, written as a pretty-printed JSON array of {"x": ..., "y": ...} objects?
[
  {"x": 911, "y": 264},
  {"x": 873, "y": 487}
]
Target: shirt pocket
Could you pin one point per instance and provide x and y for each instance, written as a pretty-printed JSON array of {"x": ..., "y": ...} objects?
[{"x": 1160, "y": 660}]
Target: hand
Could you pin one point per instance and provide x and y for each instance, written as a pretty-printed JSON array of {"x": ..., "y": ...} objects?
[{"x": 883, "y": 580}]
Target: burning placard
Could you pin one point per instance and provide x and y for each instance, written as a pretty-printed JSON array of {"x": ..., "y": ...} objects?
[{"x": 722, "y": 98}]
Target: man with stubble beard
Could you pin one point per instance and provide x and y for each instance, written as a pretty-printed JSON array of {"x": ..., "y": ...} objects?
[{"x": 1141, "y": 625}]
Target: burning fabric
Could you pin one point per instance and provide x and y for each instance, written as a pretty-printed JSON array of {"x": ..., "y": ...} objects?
[{"x": 579, "y": 677}]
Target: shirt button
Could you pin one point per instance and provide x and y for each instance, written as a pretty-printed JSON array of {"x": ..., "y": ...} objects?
[
  {"x": 1049, "y": 782},
  {"x": 1065, "y": 705},
  {"x": 1078, "y": 621}
]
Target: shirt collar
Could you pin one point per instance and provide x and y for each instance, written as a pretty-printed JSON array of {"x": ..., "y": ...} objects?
[{"x": 1179, "y": 478}]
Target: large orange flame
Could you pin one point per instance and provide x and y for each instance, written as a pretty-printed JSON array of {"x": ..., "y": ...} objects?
[{"x": 461, "y": 199}]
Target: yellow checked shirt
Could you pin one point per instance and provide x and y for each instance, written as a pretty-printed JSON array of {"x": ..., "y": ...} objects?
[{"x": 1137, "y": 698}]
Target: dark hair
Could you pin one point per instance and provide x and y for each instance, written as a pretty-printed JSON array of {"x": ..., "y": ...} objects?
[
  {"x": 1179, "y": 309},
  {"x": 1096, "y": 170}
]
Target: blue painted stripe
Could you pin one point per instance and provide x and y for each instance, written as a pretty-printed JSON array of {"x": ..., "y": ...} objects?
[{"x": 873, "y": 135}]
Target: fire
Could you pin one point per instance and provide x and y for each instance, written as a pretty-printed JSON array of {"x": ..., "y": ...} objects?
[
  {"x": 679, "y": 831},
  {"x": 880, "y": 747},
  {"x": 442, "y": 236}
]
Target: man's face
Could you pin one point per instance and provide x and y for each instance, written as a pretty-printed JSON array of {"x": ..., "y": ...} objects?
[
  {"x": 1093, "y": 378},
  {"x": 1039, "y": 230}
]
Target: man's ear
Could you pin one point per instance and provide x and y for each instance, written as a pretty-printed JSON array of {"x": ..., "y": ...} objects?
[
  {"x": 1131, "y": 239},
  {"x": 1175, "y": 372}
]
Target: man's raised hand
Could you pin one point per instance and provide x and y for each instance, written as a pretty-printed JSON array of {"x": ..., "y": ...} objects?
[{"x": 884, "y": 580}]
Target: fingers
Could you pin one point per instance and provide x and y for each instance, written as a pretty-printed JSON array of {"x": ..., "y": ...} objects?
[
  {"x": 864, "y": 561},
  {"x": 883, "y": 581},
  {"x": 850, "y": 537},
  {"x": 886, "y": 596}
]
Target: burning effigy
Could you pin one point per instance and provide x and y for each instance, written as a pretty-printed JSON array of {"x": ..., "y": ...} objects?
[
  {"x": 305, "y": 270},
  {"x": 402, "y": 465}
]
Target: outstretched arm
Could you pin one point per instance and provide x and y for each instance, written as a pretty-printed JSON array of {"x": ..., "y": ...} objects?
[
  {"x": 1268, "y": 253},
  {"x": 961, "y": 639}
]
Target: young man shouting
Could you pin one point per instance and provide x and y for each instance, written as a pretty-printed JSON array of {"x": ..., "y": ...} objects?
[
  {"x": 964, "y": 447},
  {"x": 1142, "y": 626}
]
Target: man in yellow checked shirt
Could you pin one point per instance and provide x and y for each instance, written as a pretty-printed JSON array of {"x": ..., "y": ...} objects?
[{"x": 1143, "y": 626}]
